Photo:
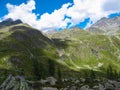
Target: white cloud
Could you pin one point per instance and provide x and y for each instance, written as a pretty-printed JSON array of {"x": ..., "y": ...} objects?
[
  {"x": 78, "y": 12},
  {"x": 93, "y": 9},
  {"x": 47, "y": 21},
  {"x": 23, "y": 12},
  {"x": 83, "y": 9},
  {"x": 55, "y": 19}
]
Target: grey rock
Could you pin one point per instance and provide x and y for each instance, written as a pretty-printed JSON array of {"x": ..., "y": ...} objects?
[
  {"x": 9, "y": 22},
  {"x": 108, "y": 26},
  {"x": 101, "y": 87},
  {"x": 85, "y": 87},
  {"x": 73, "y": 88},
  {"x": 51, "y": 80},
  {"x": 15, "y": 83},
  {"x": 49, "y": 88}
]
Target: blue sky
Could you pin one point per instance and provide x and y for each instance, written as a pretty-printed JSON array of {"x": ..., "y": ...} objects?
[
  {"x": 58, "y": 14},
  {"x": 41, "y": 6}
]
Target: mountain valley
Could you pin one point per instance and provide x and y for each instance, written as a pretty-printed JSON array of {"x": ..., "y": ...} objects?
[{"x": 72, "y": 54}]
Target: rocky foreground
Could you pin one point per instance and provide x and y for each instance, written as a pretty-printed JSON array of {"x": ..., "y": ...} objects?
[{"x": 19, "y": 83}]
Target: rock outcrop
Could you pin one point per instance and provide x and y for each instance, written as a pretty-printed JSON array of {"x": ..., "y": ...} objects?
[
  {"x": 106, "y": 25},
  {"x": 9, "y": 22},
  {"x": 15, "y": 83}
]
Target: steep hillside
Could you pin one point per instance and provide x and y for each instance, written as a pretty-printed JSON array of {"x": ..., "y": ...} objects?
[
  {"x": 26, "y": 51},
  {"x": 73, "y": 52},
  {"x": 82, "y": 51}
]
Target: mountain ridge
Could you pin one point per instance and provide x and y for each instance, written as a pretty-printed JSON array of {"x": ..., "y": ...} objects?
[
  {"x": 9, "y": 22},
  {"x": 106, "y": 25},
  {"x": 70, "y": 53}
]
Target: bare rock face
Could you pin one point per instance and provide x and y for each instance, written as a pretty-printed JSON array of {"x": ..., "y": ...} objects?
[
  {"x": 106, "y": 25},
  {"x": 15, "y": 83},
  {"x": 9, "y": 22}
]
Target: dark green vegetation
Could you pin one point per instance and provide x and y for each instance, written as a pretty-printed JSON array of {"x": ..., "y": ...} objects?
[
  {"x": 75, "y": 53},
  {"x": 26, "y": 51}
]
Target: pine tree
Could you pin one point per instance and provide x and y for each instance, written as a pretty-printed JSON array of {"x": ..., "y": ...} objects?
[
  {"x": 51, "y": 68},
  {"x": 36, "y": 69},
  {"x": 43, "y": 71},
  {"x": 92, "y": 74},
  {"x": 59, "y": 75}
]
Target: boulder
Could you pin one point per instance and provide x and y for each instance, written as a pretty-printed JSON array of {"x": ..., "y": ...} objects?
[
  {"x": 49, "y": 88},
  {"x": 101, "y": 87},
  {"x": 15, "y": 83},
  {"x": 72, "y": 88},
  {"x": 109, "y": 86},
  {"x": 85, "y": 87},
  {"x": 51, "y": 80}
]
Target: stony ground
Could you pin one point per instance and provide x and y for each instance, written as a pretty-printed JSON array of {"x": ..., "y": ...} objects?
[{"x": 50, "y": 83}]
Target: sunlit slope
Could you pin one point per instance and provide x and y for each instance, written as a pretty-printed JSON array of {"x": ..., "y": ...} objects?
[{"x": 79, "y": 50}]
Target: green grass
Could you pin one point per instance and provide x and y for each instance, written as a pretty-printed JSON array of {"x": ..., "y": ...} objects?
[{"x": 87, "y": 51}]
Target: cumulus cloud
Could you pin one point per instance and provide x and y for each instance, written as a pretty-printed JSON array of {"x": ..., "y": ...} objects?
[
  {"x": 71, "y": 14},
  {"x": 23, "y": 12},
  {"x": 85, "y": 9},
  {"x": 46, "y": 21},
  {"x": 54, "y": 20},
  {"x": 93, "y": 9}
]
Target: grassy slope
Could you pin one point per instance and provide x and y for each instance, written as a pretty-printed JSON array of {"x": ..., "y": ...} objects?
[
  {"x": 81, "y": 50},
  {"x": 22, "y": 48},
  {"x": 24, "y": 51}
]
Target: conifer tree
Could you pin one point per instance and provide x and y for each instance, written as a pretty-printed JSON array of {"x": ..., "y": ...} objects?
[{"x": 51, "y": 68}]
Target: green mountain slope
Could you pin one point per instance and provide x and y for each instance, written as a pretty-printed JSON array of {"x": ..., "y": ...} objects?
[
  {"x": 26, "y": 51},
  {"x": 69, "y": 53},
  {"x": 81, "y": 50}
]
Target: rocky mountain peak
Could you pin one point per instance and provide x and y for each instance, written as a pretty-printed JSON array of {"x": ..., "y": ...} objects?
[
  {"x": 106, "y": 25},
  {"x": 9, "y": 21}
]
